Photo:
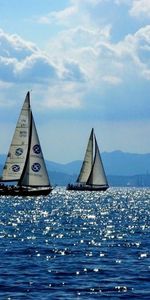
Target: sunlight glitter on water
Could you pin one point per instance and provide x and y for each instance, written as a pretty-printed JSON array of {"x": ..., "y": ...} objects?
[{"x": 75, "y": 244}]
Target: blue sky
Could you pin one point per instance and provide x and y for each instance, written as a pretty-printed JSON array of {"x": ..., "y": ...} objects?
[{"x": 87, "y": 63}]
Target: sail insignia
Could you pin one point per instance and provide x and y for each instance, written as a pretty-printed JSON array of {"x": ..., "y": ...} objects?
[{"x": 35, "y": 172}]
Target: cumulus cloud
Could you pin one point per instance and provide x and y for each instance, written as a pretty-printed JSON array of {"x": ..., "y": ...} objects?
[
  {"x": 140, "y": 8},
  {"x": 81, "y": 60},
  {"x": 58, "y": 16},
  {"x": 23, "y": 61},
  {"x": 36, "y": 68},
  {"x": 103, "y": 65},
  {"x": 111, "y": 68},
  {"x": 136, "y": 47},
  {"x": 14, "y": 46},
  {"x": 99, "y": 58},
  {"x": 77, "y": 12}
]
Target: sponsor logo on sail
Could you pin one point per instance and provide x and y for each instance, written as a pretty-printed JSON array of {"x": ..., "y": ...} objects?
[
  {"x": 37, "y": 149},
  {"x": 23, "y": 133},
  {"x": 16, "y": 168},
  {"x": 36, "y": 167},
  {"x": 19, "y": 151}
]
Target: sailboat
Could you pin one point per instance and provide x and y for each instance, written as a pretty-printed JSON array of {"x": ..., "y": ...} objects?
[
  {"x": 92, "y": 175},
  {"x": 25, "y": 165}
]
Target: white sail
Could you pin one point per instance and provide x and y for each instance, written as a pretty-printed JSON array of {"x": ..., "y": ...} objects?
[
  {"x": 18, "y": 149},
  {"x": 88, "y": 162},
  {"x": 35, "y": 172},
  {"x": 97, "y": 176}
]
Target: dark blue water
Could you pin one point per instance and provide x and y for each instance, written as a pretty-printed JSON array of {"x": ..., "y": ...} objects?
[{"x": 76, "y": 245}]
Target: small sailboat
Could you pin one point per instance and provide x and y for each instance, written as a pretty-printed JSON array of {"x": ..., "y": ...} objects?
[
  {"x": 92, "y": 175},
  {"x": 25, "y": 163}
]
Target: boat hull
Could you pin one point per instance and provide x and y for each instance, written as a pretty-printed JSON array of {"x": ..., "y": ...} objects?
[
  {"x": 72, "y": 187},
  {"x": 16, "y": 191}
]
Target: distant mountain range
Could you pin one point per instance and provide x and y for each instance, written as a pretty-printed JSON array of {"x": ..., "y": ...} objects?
[
  {"x": 115, "y": 163},
  {"x": 126, "y": 164},
  {"x": 122, "y": 169}
]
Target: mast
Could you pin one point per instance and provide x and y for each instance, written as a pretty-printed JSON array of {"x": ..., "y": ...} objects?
[{"x": 29, "y": 140}]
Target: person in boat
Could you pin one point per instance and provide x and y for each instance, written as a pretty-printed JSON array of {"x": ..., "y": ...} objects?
[
  {"x": 2, "y": 186},
  {"x": 70, "y": 185}
]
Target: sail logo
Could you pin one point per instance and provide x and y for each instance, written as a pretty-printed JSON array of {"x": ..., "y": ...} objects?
[
  {"x": 23, "y": 122},
  {"x": 19, "y": 151},
  {"x": 16, "y": 168},
  {"x": 37, "y": 149},
  {"x": 36, "y": 167},
  {"x": 23, "y": 133}
]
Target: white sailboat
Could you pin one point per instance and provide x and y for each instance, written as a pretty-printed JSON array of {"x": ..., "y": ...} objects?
[
  {"x": 92, "y": 175},
  {"x": 25, "y": 163}
]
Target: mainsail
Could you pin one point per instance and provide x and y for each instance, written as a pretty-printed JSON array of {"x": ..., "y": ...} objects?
[
  {"x": 17, "y": 153},
  {"x": 87, "y": 162},
  {"x": 25, "y": 162}
]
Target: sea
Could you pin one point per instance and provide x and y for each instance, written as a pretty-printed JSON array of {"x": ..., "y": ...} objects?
[{"x": 75, "y": 245}]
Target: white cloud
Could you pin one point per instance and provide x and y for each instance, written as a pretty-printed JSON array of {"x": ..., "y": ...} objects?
[
  {"x": 112, "y": 80},
  {"x": 77, "y": 12},
  {"x": 137, "y": 48},
  {"x": 85, "y": 2},
  {"x": 14, "y": 45},
  {"x": 63, "y": 96},
  {"x": 140, "y": 8},
  {"x": 120, "y": 2},
  {"x": 21, "y": 60},
  {"x": 90, "y": 46},
  {"x": 36, "y": 67},
  {"x": 58, "y": 16}
]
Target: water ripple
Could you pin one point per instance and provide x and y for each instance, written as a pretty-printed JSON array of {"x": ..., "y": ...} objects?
[{"x": 76, "y": 245}]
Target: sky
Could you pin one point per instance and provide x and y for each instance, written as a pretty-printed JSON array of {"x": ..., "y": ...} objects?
[{"x": 86, "y": 63}]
